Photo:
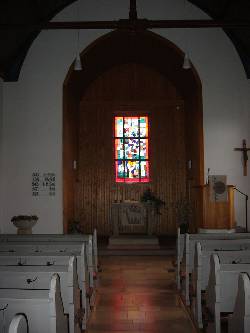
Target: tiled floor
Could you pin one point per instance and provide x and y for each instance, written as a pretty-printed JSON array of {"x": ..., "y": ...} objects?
[{"x": 138, "y": 294}]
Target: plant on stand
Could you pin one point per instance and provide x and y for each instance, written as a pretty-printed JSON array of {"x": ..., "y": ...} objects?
[
  {"x": 74, "y": 227},
  {"x": 149, "y": 197}
]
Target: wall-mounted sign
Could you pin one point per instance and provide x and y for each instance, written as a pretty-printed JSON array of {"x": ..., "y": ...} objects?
[{"x": 43, "y": 184}]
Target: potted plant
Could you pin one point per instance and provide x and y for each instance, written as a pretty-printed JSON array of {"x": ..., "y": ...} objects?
[
  {"x": 74, "y": 227},
  {"x": 149, "y": 197},
  {"x": 24, "y": 223},
  {"x": 183, "y": 210}
]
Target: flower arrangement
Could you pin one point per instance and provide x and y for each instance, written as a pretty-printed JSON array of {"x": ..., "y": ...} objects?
[
  {"x": 24, "y": 218},
  {"x": 149, "y": 197},
  {"x": 74, "y": 227}
]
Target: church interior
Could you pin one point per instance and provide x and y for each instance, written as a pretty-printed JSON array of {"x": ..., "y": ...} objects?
[{"x": 124, "y": 166}]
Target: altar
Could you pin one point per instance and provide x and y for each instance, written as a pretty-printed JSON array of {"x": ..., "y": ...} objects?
[{"x": 132, "y": 217}]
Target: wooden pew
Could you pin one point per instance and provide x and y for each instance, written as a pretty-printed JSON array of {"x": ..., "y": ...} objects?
[
  {"x": 18, "y": 324},
  {"x": 58, "y": 242},
  {"x": 72, "y": 248},
  {"x": 51, "y": 259},
  {"x": 222, "y": 289},
  {"x": 201, "y": 272},
  {"x": 95, "y": 250},
  {"x": 62, "y": 243},
  {"x": 179, "y": 255},
  {"x": 38, "y": 277},
  {"x": 239, "y": 321},
  {"x": 193, "y": 238},
  {"x": 48, "y": 249},
  {"x": 89, "y": 239},
  {"x": 43, "y": 308},
  {"x": 187, "y": 264}
]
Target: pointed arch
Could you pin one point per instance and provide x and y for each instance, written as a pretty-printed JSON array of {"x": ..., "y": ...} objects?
[{"x": 123, "y": 47}]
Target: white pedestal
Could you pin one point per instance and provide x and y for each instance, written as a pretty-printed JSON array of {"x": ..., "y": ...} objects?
[{"x": 24, "y": 227}]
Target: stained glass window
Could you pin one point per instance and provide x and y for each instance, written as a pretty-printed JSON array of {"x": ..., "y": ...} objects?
[{"x": 131, "y": 149}]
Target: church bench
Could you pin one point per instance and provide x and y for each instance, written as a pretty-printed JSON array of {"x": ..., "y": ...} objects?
[
  {"x": 222, "y": 289},
  {"x": 193, "y": 238},
  {"x": 18, "y": 324},
  {"x": 42, "y": 244},
  {"x": 179, "y": 255},
  {"x": 42, "y": 308},
  {"x": 49, "y": 247},
  {"x": 38, "y": 277},
  {"x": 72, "y": 248},
  {"x": 60, "y": 243},
  {"x": 187, "y": 264},
  {"x": 51, "y": 259},
  {"x": 92, "y": 239},
  {"x": 239, "y": 321},
  {"x": 201, "y": 272}
]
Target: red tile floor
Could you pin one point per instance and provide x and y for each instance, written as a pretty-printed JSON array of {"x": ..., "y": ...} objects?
[{"x": 138, "y": 294}]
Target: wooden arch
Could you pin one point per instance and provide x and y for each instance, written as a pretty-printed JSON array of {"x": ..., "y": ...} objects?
[{"x": 122, "y": 47}]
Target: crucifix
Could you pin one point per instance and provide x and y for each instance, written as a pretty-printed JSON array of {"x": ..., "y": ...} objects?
[{"x": 244, "y": 151}]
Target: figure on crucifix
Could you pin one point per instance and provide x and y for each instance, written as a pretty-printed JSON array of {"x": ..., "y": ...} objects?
[{"x": 244, "y": 151}]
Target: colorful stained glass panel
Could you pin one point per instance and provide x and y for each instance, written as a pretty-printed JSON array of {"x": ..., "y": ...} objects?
[
  {"x": 131, "y": 127},
  {"x": 132, "y": 169},
  {"x": 144, "y": 171},
  {"x": 119, "y": 171},
  {"x": 144, "y": 149},
  {"x": 119, "y": 149},
  {"x": 119, "y": 127},
  {"x": 143, "y": 127},
  {"x": 132, "y": 149}
]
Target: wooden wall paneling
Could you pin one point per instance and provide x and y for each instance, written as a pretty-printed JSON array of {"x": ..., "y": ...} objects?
[
  {"x": 195, "y": 153},
  {"x": 132, "y": 68},
  {"x": 167, "y": 133},
  {"x": 70, "y": 153},
  {"x": 172, "y": 142}
]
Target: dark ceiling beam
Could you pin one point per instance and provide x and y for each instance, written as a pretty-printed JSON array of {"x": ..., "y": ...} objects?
[
  {"x": 133, "y": 10},
  {"x": 199, "y": 24},
  {"x": 131, "y": 24}
]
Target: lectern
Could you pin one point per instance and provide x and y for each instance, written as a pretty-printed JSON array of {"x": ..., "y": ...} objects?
[{"x": 215, "y": 216}]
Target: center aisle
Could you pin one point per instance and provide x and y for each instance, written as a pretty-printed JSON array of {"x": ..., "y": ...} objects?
[{"x": 138, "y": 294}]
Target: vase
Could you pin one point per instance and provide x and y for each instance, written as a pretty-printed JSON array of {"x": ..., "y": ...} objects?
[{"x": 24, "y": 227}]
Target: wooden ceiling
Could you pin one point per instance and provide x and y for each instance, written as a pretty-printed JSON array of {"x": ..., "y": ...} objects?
[{"x": 22, "y": 21}]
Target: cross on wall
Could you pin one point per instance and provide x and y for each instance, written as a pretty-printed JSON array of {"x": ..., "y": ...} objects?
[{"x": 244, "y": 151}]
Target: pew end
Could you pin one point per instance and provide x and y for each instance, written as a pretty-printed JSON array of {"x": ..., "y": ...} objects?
[
  {"x": 239, "y": 321},
  {"x": 43, "y": 308},
  {"x": 19, "y": 324},
  {"x": 213, "y": 295},
  {"x": 30, "y": 250}
]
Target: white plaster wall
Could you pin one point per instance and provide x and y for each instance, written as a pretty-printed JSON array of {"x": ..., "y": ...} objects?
[{"x": 32, "y": 129}]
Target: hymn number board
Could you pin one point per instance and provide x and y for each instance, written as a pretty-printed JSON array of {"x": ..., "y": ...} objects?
[{"x": 43, "y": 184}]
